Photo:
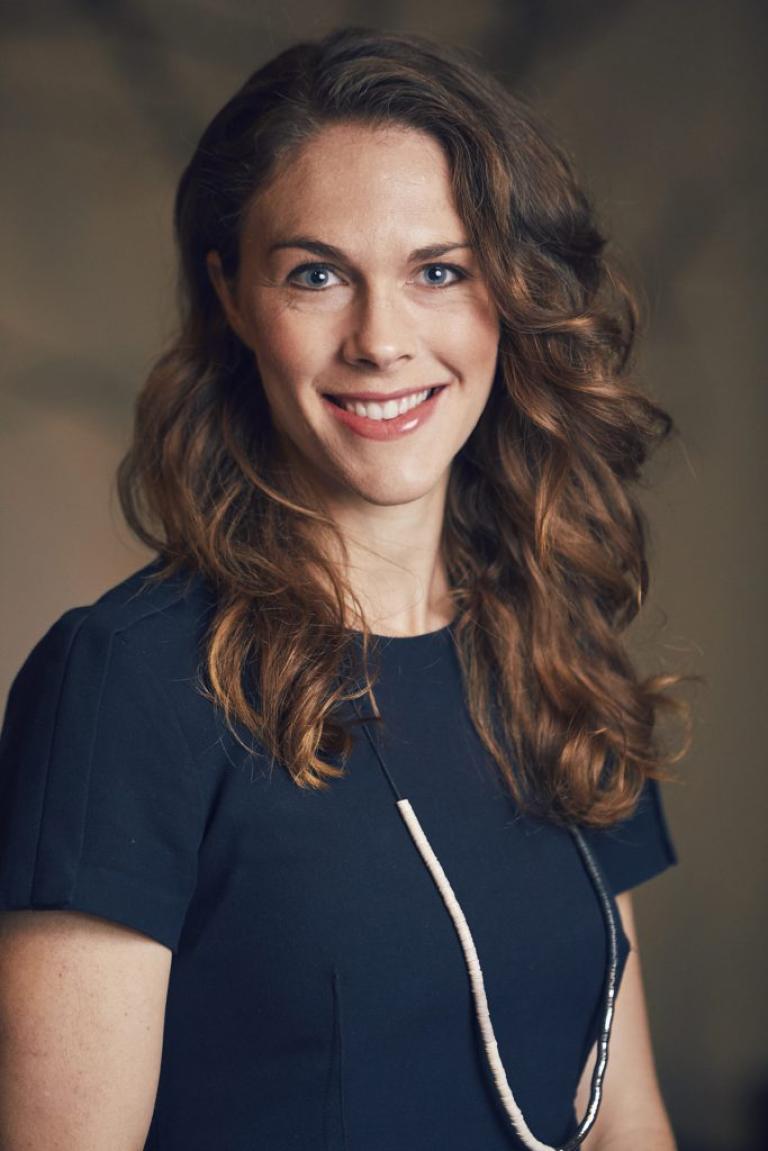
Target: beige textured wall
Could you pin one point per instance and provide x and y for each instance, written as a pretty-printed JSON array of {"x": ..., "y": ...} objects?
[{"x": 659, "y": 103}]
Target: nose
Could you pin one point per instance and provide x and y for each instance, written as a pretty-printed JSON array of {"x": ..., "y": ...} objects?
[{"x": 380, "y": 334}]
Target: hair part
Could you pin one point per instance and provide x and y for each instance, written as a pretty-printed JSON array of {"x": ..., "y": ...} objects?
[{"x": 543, "y": 538}]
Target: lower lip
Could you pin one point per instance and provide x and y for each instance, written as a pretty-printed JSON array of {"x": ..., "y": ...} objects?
[{"x": 386, "y": 429}]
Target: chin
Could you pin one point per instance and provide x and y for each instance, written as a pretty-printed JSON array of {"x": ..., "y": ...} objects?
[{"x": 392, "y": 493}]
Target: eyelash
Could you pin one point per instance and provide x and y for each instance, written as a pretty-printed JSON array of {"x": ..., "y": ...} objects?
[{"x": 459, "y": 272}]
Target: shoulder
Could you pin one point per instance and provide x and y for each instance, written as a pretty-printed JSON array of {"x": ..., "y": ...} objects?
[
  {"x": 145, "y": 620},
  {"x": 137, "y": 650},
  {"x": 101, "y": 804},
  {"x": 140, "y": 612}
]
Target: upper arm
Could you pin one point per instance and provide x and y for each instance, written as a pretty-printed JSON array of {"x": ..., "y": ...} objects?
[
  {"x": 632, "y": 1104},
  {"x": 82, "y": 1003}
]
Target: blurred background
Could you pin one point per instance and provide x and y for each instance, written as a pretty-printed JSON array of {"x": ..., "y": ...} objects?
[{"x": 660, "y": 103}]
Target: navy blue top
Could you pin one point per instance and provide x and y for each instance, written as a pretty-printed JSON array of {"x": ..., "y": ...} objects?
[{"x": 318, "y": 998}]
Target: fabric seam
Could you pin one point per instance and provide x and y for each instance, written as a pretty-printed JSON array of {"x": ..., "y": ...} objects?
[
  {"x": 89, "y": 762},
  {"x": 120, "y": 635}
]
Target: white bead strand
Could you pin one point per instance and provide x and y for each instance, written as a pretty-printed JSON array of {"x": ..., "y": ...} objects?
[{"x": 476, "y": 979}]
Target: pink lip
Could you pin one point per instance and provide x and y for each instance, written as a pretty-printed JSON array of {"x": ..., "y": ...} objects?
[{"x": 386, "y": 429}]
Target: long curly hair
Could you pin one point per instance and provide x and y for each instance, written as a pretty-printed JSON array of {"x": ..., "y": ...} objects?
[{"x": 543, "y": 538}]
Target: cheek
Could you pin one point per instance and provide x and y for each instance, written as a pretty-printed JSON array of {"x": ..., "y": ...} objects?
[
  {"x": 472, "y": 336},
  {"x": 291, "y": 344}
]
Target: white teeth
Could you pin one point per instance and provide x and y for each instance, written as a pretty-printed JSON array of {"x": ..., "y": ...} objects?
[{"x": 390, "y": 409}]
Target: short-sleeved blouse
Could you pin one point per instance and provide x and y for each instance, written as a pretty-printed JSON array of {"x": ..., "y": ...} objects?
[{"x": 318, "y": 995}]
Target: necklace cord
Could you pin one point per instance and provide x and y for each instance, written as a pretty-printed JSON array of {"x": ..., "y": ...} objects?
[{"x": 476, "y": 976}]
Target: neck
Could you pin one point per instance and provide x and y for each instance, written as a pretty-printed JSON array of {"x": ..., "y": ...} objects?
[{"x": 395, "y": 565}]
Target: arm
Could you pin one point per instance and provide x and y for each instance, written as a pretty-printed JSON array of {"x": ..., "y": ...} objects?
[
  {"x": 632, "y": 1115},
  {"x": 82, "y": 1004}
]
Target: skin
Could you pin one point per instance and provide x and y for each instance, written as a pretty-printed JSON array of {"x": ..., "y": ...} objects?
[
  {"x": 82, "y": 1008},
  {"x": 379, "y": 322}
]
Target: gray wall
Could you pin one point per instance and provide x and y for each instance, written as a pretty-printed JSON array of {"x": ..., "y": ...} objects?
[{"x": 659, "y": 103}]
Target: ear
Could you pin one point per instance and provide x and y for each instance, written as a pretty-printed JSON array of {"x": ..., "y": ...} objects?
[{"x": 223, "y": 289}]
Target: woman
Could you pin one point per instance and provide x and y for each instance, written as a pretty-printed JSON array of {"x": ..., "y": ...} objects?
[{"x": 320, "y": 830}]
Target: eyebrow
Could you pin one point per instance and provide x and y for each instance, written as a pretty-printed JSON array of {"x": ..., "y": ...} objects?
[{"x": 330, "y": 252}]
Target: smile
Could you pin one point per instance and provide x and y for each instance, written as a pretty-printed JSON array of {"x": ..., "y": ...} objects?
[
  {"x": 384, "y": 409},
  {"x": 387, "y": 420}
]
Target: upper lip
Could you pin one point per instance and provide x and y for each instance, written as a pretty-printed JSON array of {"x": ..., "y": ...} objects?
[{"x": 382, "y": 397}]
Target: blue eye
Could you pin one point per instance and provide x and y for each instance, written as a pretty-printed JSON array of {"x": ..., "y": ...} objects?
[
  {"x": 444, "y": 270},
  {"x": 317, "y": 276}
]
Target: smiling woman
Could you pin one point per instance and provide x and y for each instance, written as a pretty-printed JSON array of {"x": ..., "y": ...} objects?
[
  {"x": 325, "y": 823},
  {"x": 368, "y": 315}
]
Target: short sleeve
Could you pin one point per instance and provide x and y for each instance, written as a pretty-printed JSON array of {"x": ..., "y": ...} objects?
[
  {"x": 100, "y": 809},
  {"x": 638, "y": 848}
]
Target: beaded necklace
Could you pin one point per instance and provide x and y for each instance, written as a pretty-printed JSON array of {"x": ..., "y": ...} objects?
[{"x": 490, "y": 1045}]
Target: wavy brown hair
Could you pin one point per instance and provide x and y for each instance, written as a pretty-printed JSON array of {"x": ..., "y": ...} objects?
[{"x": 543, "y": 539}]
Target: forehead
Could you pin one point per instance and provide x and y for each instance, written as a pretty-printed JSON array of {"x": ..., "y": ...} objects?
[{"x": 354, "y": 182}]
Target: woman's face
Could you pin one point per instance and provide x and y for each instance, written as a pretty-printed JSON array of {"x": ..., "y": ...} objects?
[{"x": 356, "y": 279}]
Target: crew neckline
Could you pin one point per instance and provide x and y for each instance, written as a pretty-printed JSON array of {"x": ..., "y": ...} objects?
[{"x": 405, "y": 639}]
